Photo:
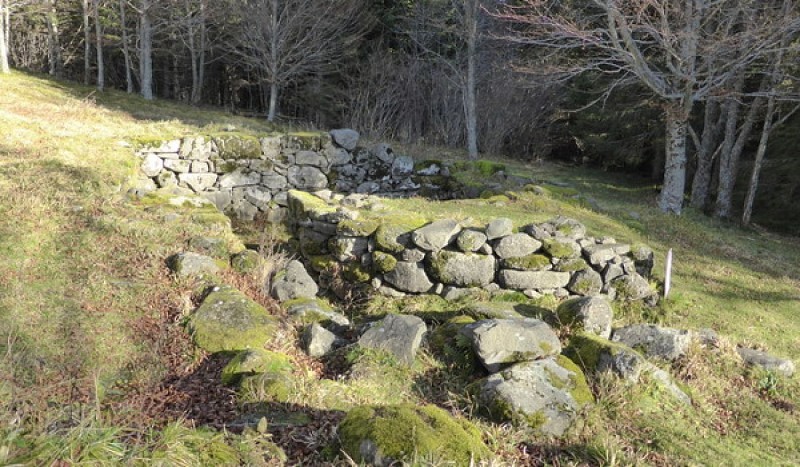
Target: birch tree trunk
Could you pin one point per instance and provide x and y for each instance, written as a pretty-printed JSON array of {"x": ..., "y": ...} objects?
[
  {"x": 146, "y": 52},
  {"x": 670, "y": 199},
  {"x": 53, "y": 40},
  {"x": 471, "y": 12},
  {"x": 87, "y": 42},
  {"x": 729, "y": 159},
  {"x": 98, "y": 29},
  {"x": 275, "y": 43},
  {"x": 125, "y": 48},
  {"x": 4, "y": 68}
]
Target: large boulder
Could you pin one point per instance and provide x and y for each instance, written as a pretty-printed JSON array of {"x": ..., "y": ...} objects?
[
  {"x": 527, "y": 280},
  {"x": 400, "y": 335},
  {"x": 545, "y": 395},
  {"x": 409, "y": 277},
  {"x": 228, "y": 320},
  {"x": 293, "y": 282},
  {"x": 502, "y": 342},
  {"x": 586, "y": 282},
  {"x": 436, "y": 235},
  {"x": 654, "y": 341},
  {"x": 591, "y": 314},
  {"x": 766, "y": 361},
  {"x": 462, "y": 269},
  {"x": 516, "y": 245},
  {"x": 152, "y": 165},
  {"x": 393, "y": 434}
]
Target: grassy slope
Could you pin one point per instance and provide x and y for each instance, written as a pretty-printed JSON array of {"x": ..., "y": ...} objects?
[{"x": 81, "y": 269}]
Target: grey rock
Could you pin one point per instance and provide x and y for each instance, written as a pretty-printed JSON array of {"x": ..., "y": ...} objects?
[
  {"x": 348, "y": 248},
  {"x": 632, "y": 287},
  {"x": 542, "y": 390},
  {"x": 293, "y": 282},
  {"x": 766, "y": 361},
  {"x": 586, "y": 282},
  {"x": 338, "y": 156},
  {"x": 462, "y": 269},
  {"x": 569, "y": 228},
  {"x": 368, "y": 187},
  {"x": 592, "y": 314},
  {"x": 666, "y": 343},
  {"x": 402, "y": 166},
  {"x": 275, "y": 182},
  {"x": 493, "y": 310},
  {"x": 307, "y": 311},
  {"x": 200, "y": 167},
  {"x": 198, "y": 182},
  {"x": 318, "y": 341},
  {"x": 436, "y": 235},
  {"x": 470, "y": 240},
  {"x": 537, "y": 232},
  {"x": 502, "y": 342},
  {"x": 221, "y": 199},
  {"x": 409, "y": 277},
  {"x": 412, "y": 255},
  {"x": 612, "y": 271},
  {"x": 599, "y": 255},
  {"x": 516, "y": 245},
  {"x": 451, "y": 293},
  {"x": 345, "y": 138},
  {"x": 244, "y": 210},
  {"x": 177, "y": 165},
  {"x": 167, "y": 146},
  {"x": 281, "y": 199},
  {"x": 192, "y": 264},
  {"x": 258, "y": 196},
  {"x": 166, "y": 179},
  {"x": 644, "y": 260},
  {"x": 311, "y": 158},
  {"x": 240, "y": 177},
  {"x": 307, "y": 178},
  {"x": 499, "y": 228},
  {"x": 524, "y": 280},
  {"x": 383, "y": 152},
  {"x": 400, "y": 335},
  {"x": 152, "y": 165}
]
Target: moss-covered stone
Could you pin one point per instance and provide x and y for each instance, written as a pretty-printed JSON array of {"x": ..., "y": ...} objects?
[
  {"x": 255, "y": 361},
  {"x": 322, "y": 263},
  {"x": 238, "y": 146},
  {"x": 357, "y": 227},
  {"x": 355, "y": 272},
  {"x": 559, "y": 249},
  {"x": 585, "y": 349},
  {"x": 532, "y": 262},
  {"x": 487, "y": 168},
  {"x": 396, "y": 433},
  {"x": 307, "y": 140},
  {"x": 392, "y": 229},
  {"x": 571, "y": 265},
  {"x": 229, "y": 320},
  {"x": 301, "y": 204},
  {"x": 246, "y": 261},
  {"x": 383, "y": 262},
  {"x": 579, "y": 388},
  {"x": 268, "y": 387}
]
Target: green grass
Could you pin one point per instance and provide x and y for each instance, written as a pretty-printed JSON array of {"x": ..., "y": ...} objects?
[{"x": 87, "y": 310}]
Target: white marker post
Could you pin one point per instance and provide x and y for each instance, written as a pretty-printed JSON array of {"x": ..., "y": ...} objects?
[{"x": 668, "y": 273}]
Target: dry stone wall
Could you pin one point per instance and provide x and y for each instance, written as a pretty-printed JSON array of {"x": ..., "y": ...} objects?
[
  {"x": 400, "y": 255},
  {"x": 244, "y": 175}
]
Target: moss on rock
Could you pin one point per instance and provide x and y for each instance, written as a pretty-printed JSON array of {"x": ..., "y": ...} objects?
[
  {"x": 559, "y": 249},
  {"x": 320, "y": 263},
  {"x": 585, "y": 349},
  {"x": 238, "y": 146},
  {"x": 390, "y": 231},
  {"x": 246, "y": 261},
  {"x": 532, "y": 262},
  {"x": 579, "y": 388},
  {"x": 254, "y": 361},
  {"x": 383, "y": 262},
  {"x": 396, "y": 433},
  {"x": 229, "y": 320},
  {"x": 357, "y": 227},
  {"x": 356, "y": 272}
]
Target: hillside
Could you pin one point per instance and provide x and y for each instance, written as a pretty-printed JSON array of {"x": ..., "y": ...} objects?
[{"x": 97, "y": 365}]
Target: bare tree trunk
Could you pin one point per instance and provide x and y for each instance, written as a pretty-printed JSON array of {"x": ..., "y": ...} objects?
[
  {"x": 705, "y": 155},
  {"x": 671, "y": 198},
  {"x": 98, "y": 30},
  {"x": 125, "y": 48},
  {"x": 53, "y": 40},
  {"x": 471, "y": 12},
  {"x": 273, "y": 101},
  {"x": 273, "y": 50},
  {"x": 197, "y": 50},
  {"x": 87, "y": 42},
  {"x": 759, "y": 161},
  {"x": 729, "y": 159},
  {"x": 4, "y": 68},
  {"x": 146, "y": 45}
]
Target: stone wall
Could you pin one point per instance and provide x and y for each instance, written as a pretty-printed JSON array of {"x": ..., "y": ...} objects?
[
  {"x": 399, "y": 254},
  {"x": 244, "y": 175}
]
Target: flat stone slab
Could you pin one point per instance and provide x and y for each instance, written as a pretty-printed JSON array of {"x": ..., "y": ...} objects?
[
  {"x": 462, "y": 269},
  {"x": 655, "y": 341},
  {"x": 409, "y": 277},
  {"x": 516, "y": 245},
  {"x": 526, "y": 280},
  {"x": 192, "y": 264},
  {"x": 436, "y": 235},
  {"x": 499, "y": 343},
  {"x": 766, "y": 361}
]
